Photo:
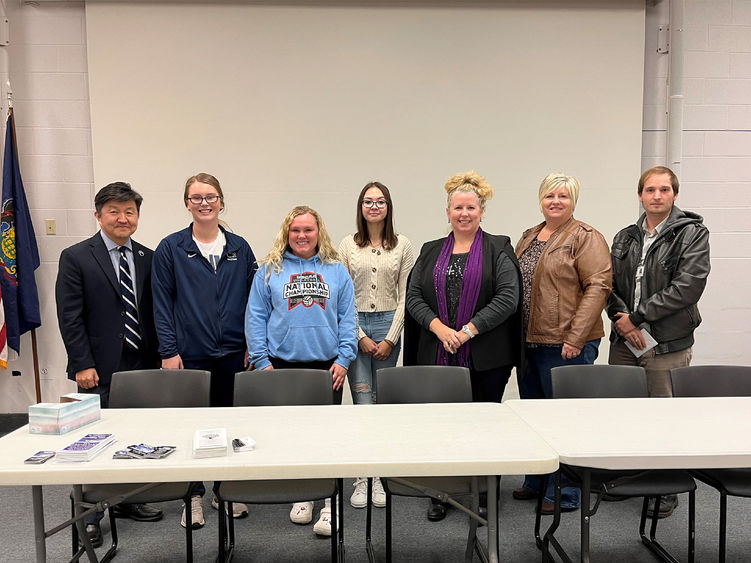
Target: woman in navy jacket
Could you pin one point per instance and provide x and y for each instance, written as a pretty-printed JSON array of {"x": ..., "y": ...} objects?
[{"x": 201, "y": 277}]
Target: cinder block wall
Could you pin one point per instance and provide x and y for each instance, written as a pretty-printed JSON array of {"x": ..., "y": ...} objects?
[
  {"x": 46, "y": 64},
  {"x": 716, "y": 161}
]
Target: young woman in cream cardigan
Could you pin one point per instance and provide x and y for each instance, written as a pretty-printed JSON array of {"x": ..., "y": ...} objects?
[{"x": 379, "y": 261}]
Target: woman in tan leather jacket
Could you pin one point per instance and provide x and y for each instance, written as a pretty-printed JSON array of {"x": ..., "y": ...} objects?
[{"x": 567, "y": 277}]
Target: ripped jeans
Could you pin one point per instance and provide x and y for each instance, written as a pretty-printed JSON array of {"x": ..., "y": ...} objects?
[{"x": 362, "y": 372}]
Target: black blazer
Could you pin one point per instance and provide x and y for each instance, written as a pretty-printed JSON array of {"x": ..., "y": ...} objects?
[
  {"x": 90, "y": 311},
  {"x": 500, "y": 346}
]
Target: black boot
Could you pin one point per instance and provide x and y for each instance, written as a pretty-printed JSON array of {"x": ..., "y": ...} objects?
[{"x": 436, "y": 510}]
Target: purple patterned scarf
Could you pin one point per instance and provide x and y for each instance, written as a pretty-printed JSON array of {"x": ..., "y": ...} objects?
[{"x": 471, "y": 279}]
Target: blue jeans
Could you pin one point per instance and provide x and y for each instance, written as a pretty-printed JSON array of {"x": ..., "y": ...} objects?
[
  {"x": 537, "y": 384},
  {"x": 362, "y": 372}
]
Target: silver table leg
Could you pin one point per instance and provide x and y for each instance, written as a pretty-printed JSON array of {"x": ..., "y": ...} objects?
[
  {"x": 40, "y": 539},
  {"x": 493, "y": 529},
  {"x": 40, "y": 534},
  {"x": 83, "y": 536}
]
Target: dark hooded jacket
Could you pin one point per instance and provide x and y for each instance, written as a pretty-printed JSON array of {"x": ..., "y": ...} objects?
[{"x": 676, "y": 269}]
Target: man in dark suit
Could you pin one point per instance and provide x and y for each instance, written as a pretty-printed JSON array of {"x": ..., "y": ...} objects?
[{"x": 105, "y": 310}]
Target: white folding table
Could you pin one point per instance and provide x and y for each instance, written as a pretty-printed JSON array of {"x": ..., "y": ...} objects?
[
  {"x": 641, "y": 434},
  {"x": 482, "y": 439}
]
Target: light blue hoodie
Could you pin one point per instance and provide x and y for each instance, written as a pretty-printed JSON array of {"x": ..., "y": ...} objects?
[{"x": 304, "y": 314}]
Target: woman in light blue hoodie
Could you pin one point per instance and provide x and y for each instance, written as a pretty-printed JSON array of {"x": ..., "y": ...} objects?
[{"x": 301, "y": 314}]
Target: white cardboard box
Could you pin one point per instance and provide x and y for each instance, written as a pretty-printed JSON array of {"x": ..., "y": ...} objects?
[{"x": 73, "y": 411}]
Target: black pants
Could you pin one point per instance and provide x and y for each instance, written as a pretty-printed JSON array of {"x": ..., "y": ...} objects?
[
  {"x": 223, "y": 372},
  {"x": 489, "y": 385},
  {"x": 221, "y": 389},
  {"x": 130, "y": 359},
  {"x": 278, "y": 363}
]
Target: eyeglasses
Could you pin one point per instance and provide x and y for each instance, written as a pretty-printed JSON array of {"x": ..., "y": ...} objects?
[
  {"x": 379, "y": 203},
  {"x": 198, "y": 199}
]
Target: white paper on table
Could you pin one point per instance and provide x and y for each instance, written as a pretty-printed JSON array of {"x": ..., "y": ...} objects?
[
  {"x": 651, "y": 343},
  {"x": 249, "y": 444}
]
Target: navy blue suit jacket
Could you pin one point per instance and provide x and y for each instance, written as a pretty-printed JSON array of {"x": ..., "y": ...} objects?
[{"x": 90, "y": 310}]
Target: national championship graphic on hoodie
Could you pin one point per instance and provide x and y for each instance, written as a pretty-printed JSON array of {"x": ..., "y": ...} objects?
[{"x": 306, "y": 288}]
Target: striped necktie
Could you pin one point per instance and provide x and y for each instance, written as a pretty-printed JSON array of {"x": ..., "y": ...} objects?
[{"x": 132, "y": 334}]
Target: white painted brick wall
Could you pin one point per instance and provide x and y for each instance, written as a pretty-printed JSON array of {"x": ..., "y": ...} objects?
[
  {"x": 46, "y": 62},
  {"x": 703, "y": 64},
  {"x": 703, "y": 117},
  {"x": 740, "y": 65},
  {"x": 733, "y": 143},
  {"x": 729, "y": 38},
  {"x": 716, "y": 159},
  {"x": 724, "y": 169},
  {"x": 739, "y": 117},
  {"x": 724, "y": 195},
  {"x": 728, "y": 91},
  {"x": 705, "y": 11}
]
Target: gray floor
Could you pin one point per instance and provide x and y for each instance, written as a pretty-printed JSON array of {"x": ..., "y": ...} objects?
[{"x": 268, "y": 536}]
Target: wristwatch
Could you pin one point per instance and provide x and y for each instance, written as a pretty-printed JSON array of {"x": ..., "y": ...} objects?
[{"x": 466, "y": 330}]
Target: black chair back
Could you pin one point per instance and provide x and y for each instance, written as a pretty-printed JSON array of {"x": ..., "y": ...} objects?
[
  {"x": 599, "y": 381},
  {"x": 157, "y": 388},
  {"x": 283, "y": 387},
  {"x": 711, "y": 381},
  {"x": 717, "y": 381},
  {"x": 149, "y": 389},
  {"x": 423, "y": 384}
]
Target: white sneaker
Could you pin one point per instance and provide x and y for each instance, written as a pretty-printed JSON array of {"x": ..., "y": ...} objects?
[
  {"x": 301, "y": 513},
  {"x": 323, "y": 526},
  {"x": 379, "y": 495},
  {"x": 196, "y": 513},
  {"x": 359, "y": 498},
  {"x": 239, "y": 510}
]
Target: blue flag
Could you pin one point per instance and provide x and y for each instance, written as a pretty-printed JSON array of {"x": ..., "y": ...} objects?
[{"x": 19, "y": 254}]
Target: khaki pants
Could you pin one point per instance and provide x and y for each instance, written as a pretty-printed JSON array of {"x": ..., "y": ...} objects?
[{"x": 657, "y": 366}]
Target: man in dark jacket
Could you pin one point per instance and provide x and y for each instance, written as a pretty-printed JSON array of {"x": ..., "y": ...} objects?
[
  {"x": 105, "y": 310},
  {"x": 660, "y": 269}
]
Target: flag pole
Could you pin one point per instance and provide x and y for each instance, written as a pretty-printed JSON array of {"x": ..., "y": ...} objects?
[
  {"x": 34, "y": 350},
  {"x": 35, "y": 355}
]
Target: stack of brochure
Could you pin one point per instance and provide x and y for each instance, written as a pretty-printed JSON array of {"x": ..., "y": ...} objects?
[
  {"x": 85, "y": 449},
  {"x": 210, "y": 443}
]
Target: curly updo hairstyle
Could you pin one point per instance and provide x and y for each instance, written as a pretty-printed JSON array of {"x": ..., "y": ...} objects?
[{"x": 469, "y": 181}]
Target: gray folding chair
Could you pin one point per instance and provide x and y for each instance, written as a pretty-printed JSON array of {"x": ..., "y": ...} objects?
[
  {"x": 717, "y": 381},
  {"x": 148, "y": 388},
  {"x": 711, "y": 381},
  {"x": 610, "y": 381},
  {"x": 426, "y": 384},
  {"x": 280, "y": 387}
]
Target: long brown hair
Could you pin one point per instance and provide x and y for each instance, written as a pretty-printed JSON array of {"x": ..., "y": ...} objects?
[{"x": 362, "y": 238}]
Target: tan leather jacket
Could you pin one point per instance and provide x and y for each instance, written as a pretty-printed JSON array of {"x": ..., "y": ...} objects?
[{"x": 571, "y": 285}]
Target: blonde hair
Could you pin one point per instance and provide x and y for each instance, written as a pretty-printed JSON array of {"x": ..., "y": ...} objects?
[
  {"x": 469, "y": 181},
  {"x": 326, "y": 251},
  {"x": 559, "y": 180}
]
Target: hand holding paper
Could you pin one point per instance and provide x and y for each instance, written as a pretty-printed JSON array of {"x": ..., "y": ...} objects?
[{"x": 648, "y": 341}]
